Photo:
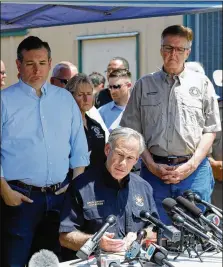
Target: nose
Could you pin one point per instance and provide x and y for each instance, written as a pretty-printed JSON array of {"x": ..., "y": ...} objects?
[{"x": 36, "y": 68}]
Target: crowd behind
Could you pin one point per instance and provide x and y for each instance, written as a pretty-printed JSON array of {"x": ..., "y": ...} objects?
[{"x": 74, "y": 151}]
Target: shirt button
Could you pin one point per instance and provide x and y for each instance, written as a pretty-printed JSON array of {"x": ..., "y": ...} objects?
[
  {"x": 42, "y": 117},
  {"x": 50, "y": 163}
]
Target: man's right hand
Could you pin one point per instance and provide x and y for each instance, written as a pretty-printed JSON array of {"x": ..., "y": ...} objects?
[
  {"x": 14, "y": 198},
  {"x": 107, "y": 243},
  {"x": 161, "y": 170}
]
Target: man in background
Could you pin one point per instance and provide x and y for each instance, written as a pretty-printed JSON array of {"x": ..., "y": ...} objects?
[
  {"x": 177, "y": 112},
  {"x": 104, "y": 96},
  {"x": 119, "y": 85},
  {"x": 98, "y": 81},
  {"x": 2, "y": 75},
  {"x": 42, "y": 136},
  {"x": 62, "y": 73}
]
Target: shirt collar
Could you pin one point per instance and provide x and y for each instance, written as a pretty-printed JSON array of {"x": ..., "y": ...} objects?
[
  {"x": 112, "y": 182},
  {"x": 112, "y": 105},
  {"x": 30, "y": 90},
  {"x": 165, "y": 76}
]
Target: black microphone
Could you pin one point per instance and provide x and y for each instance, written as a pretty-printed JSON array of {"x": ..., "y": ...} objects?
[
  {"x": 44, "y": 258},
  {"x": 134, "y": 249},
  {"x": 157, "y": 254},
  {"x": 196, "y": 212},
  {"x": 178, "y": 220},
  {"x": 190, "y": 195},
  {"x": 170, "y": 232},
  {"x": 85, "y": 251},
  {"x": 170, "y": 205}
]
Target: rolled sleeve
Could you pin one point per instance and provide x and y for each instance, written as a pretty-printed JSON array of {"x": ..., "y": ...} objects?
[
  {"x": 132, "y": 117},
  {"x": 211, "y": 110},
  {"x": 79, "y": 156},
  {"x": 71, "y": 215}
]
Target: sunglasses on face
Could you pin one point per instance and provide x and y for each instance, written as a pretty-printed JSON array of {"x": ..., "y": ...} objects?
[
  {"x": 2, "y": 72},
  {"x": 117, "y": 86},
  {"x": 64, "y": 81}
]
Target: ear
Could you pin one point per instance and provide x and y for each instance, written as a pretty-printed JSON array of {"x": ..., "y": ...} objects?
[
  {"x": 18, "y": 64},
  {"x": 187, "y": 54},
  {"x": 50, "y": 62},
  {"x": 107, "y": 149},
  {"x": 129, "y": 84}
]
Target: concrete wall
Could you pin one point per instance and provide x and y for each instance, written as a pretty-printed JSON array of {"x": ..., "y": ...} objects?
[{"x": 63, "y": 41}]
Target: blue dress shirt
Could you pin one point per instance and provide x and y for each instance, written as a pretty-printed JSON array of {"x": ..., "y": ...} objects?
[
  {"x": 39, "y": 134},
  {"x": 110, "y": 112}
]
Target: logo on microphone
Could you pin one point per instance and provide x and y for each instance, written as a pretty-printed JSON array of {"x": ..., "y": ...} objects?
[{"x": 139, "y": 200}]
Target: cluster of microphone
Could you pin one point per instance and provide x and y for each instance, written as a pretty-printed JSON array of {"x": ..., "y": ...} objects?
[{"x": 191, "y": 229}]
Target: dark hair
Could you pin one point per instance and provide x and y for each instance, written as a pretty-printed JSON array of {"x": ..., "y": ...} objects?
[
  {"x": 179, "y": 30},
  {"x": 77, "y": 80},
  {"x": 120, "y": 73},
  {"x": 123, "y": 60},
  {"x": 97, "y": 78},
  {"x": 30, "y": 43}
]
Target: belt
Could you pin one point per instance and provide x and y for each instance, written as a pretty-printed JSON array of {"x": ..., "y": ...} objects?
[
  {"x": 173, "y": 160},
  {"x": 52, "y": 188}
]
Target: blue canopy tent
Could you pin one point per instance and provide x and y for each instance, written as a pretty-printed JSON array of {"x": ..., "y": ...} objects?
[{"x": 21, "y": 14}]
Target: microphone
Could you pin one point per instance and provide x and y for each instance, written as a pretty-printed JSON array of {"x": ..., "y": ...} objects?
[
  {"x": 170, "y": 205},
  {"x": 196, "y": 212},
  {"x": 91, "y": 244},
  {"x": 179, "y": 221},
  {"x": 157, "y": 254},
  {"x": 170, "y": 232},
  {"x": 135, "y": 247},
  {"x": 190, "y": 195},
  {"x": 44, "y": 258}
]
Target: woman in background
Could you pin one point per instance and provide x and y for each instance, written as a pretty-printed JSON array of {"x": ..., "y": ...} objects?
[{"x": 81, "y": 87}]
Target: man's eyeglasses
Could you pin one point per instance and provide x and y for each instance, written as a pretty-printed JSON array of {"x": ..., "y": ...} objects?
[
  {"x": 117, "y": 86},
  {"x": 2, "y": 72},
  {"x": 111, "y": 70},
  {"x": 64, "y": 81},
  {"x": 178, "y": 50}
]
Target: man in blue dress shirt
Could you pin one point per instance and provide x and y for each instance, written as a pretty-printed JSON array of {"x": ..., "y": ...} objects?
[
  {"x": 119, "y": 86},
  {"x": 42, "y": 136}
]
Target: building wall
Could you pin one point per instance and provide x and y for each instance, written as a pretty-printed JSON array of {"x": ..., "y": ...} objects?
[
  {"x": 64, "y": 45},
  {"x": 208, "y": 42}
]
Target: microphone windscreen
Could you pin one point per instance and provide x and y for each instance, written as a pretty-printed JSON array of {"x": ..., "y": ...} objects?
[
  {"x": 189, "y": 206},
  {"x": 44, "y": 258},
  {"x": 169, "y": 204}
]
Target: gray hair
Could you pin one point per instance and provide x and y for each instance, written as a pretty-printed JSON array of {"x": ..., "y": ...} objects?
[
  {"x": 63, "y": 65},
  {"x": 126, "y": 133},
  {"x": 75, "y": 82}
]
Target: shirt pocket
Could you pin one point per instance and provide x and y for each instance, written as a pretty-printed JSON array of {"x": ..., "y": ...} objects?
[
  {"x": 95, "y": 217},
  {"x": 151, "y": 109},
  {"x": 191, "y": 112}
]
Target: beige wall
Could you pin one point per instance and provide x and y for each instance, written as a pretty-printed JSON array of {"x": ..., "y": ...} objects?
[{"x": 63, "y": 43}]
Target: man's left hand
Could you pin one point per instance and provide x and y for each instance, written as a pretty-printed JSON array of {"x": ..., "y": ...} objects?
[
  {"x": 62, "y": 190},
  {"x": 181, "y": 172}
]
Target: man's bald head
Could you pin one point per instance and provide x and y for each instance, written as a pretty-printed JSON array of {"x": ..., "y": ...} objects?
[
  {"x": 62, "y": 73},
  {"x": 2, "y": 75}
]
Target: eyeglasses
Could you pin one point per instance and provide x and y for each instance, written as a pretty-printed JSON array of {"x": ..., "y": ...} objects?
[
  {"x": 111, "y": 70},
  {"x": 178, "y": 50},
  {"x": 64, "y": 81},
  {"x": 2, "y": 72},
  {"x": 117, "y": 86}
]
